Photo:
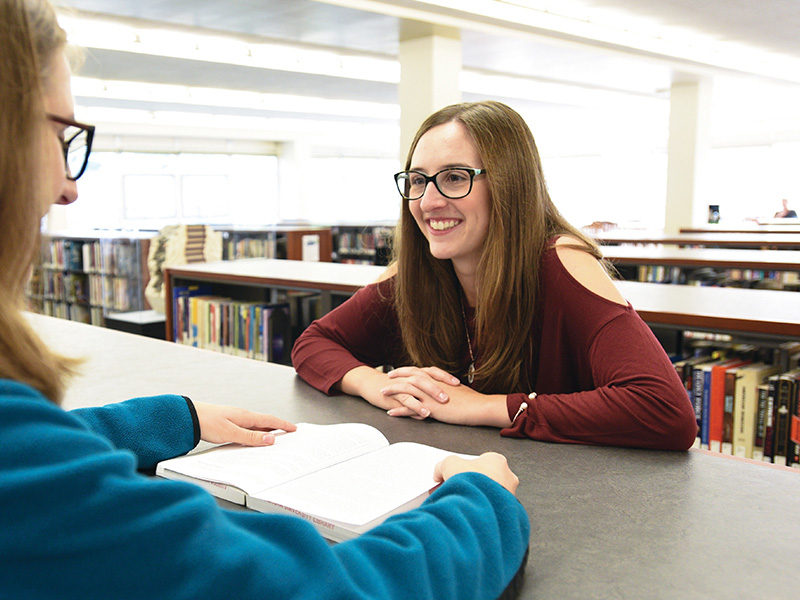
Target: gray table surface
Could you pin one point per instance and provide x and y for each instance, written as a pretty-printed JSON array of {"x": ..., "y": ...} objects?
[{"x": 606, "y": 522}]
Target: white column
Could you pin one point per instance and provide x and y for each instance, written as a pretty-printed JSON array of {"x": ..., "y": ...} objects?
[
  {"x": 430, "y": 66},
  {"x": 293, "y": 167},
  {"x": 689, "y": 122}
]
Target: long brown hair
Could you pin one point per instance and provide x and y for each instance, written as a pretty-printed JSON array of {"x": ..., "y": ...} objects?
[
  {"x": 30, "y": 39},
  {"x": 522, "y": 220}
]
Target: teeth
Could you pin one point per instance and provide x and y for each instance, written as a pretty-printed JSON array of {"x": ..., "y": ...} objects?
[{"x": 442, "y": 225}]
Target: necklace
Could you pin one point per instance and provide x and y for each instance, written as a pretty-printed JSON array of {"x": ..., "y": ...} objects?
[{"x": 471, "y": 370}]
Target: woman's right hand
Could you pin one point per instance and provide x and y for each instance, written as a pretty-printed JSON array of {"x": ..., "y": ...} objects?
[
  {"x": 400, "y": 391},
  {"x": 493, "y": 465}
]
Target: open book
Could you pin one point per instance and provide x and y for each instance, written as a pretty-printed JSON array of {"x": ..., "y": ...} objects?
[{"x": 344, "y": 478}]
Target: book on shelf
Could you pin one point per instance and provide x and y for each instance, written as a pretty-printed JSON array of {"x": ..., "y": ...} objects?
[
  {"x": 716, "y": 402},
  {"x": 745, "y": 405},
  {"x": 793, "y": 444},
  {"x": 345, "y": 478},
  {"x": 787, "y": 387}
]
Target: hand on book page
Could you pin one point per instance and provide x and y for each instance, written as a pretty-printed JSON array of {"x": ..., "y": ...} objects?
[
  {"x": 223, "y": 424},
  {"x": 493, "y": 465},
  {"x": 308, "y": 449}
]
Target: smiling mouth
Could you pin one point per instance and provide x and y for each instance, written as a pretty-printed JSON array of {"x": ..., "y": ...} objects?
[{"x": 443, "y": 225}]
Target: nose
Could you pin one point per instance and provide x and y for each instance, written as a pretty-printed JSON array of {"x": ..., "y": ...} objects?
[
  {"x": 69, "y": 192},
  {"x": 432, "y": 198}
]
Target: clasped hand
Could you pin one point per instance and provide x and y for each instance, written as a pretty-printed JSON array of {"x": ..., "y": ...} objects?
[{"x": 421, "y": 392}]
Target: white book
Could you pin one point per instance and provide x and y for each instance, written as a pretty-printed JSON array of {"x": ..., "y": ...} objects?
[{"x": 344, "y": 478}]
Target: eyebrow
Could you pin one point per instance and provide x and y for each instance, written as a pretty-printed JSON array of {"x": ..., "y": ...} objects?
[{"x": 448, "y": 166}]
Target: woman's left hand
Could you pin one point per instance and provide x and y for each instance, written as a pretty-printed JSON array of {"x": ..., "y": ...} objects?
[
  {"x": 464, "y": 406},
  {"x": 221, "y": 424}
]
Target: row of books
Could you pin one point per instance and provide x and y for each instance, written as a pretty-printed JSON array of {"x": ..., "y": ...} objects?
[
  {"x": 74, "y": 312},
  {"x": 745, "y": 405},
  {"x": 370, "y": 245},
  {"x": 114, "y": 257},
  {"x": 755, "y": 278},
  {"x": 113, "y": 293},
  {"x": 249, "y": 247},
  {"x": 255, "y": 330}
]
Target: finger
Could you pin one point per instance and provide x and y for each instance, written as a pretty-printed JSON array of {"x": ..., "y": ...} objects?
[
  {"x": 422, "y": 387},
  {"x": 261, "y": 421},
  {"x": 250, "y": 437},
  {"x": 442, "y": 375},
  {"x": 408, "y": 400},
  {"x": 402, "y": 411}
]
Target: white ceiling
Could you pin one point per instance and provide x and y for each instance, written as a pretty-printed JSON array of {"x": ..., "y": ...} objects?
[{"x": 769, "y": 26}]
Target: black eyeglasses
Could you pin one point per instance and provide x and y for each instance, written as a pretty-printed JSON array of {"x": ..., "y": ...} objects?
[
  {"x": 77, "y": 144},
  {"x": 453, "y": 182}
]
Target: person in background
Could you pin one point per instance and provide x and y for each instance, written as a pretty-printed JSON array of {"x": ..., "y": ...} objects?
[
  {"x": 497, "y": 312},
  {"x": 80, "y": 521},
  {"x": 785, "y": 212}
]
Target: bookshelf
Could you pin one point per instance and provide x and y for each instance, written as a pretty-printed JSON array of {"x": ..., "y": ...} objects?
[
  {"x": 84, "y": 277},
  {"x": 734, "y": 267},
  {"x": 277, "y": 241},
  {"x": 305, "y": 289},
  {"x": 363, "y": 244}
]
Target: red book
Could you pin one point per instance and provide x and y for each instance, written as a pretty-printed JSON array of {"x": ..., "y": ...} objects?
[{"x": 717, "y": 403}]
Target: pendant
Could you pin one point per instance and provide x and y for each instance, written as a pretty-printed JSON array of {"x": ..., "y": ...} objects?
[{"x": 471, "y": 372}]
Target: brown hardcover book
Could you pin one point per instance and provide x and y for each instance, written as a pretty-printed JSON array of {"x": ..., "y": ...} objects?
[
  {"x": 793, "y": 442},
  {"x": 745, "y": 406},
  {"x": 782, "y": 416}
]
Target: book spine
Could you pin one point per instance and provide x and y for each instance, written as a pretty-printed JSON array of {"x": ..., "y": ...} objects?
[
  {"x": 744, "y": 416},
  {"x": 761, "y": 421},
  {"x": 781, "y": 418},
  {"x": 727, "y": 416},
  {"x": 769, "y": 426},
  {"x": 705, "y": 416},
  {"x": 697, "y": 400},
  {"x": 793, "y": 434}
]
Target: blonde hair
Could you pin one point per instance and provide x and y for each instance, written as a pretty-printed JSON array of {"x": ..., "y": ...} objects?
[
  {"x": 30, "y": 39},
  {"x": 522, "y": 220}
]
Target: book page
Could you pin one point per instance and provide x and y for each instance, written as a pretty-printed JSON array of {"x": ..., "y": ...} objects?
[
  {"x": 365, "y": 488},
  {"x": 310, "y": 448}
]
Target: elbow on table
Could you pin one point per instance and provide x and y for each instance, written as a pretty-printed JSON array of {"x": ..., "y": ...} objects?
[{"x": 680, "y": 428}]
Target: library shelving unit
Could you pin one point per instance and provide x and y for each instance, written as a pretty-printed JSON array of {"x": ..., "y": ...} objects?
[
  {"x": 363, "y": 244},
  {"x": 293, "y": 242},
  {"x": 764, "y": 316},
  {"x": 775, "y": 241},
  {"x": 731, "y": 267},
  {"x": 84, "y": 277},
  {"x": 226, "y": 305}
]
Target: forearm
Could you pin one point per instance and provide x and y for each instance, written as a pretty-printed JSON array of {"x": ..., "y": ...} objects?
[
  {"x": 154, "y": 428},
  {"x": 470, "y": 512},
  {"x": 643, "y": 414},
  {"x": 367, "y": 383}
]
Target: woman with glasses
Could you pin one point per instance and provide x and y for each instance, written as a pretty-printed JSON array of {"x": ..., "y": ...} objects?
[
  {"x": 497, "y": 312},
  {"x": 79, "y": 521}
]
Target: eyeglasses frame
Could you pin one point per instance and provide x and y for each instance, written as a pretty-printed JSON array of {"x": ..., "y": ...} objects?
[
  {"x": 89, "y": 129},
  {"x": 432, "y": 178}
]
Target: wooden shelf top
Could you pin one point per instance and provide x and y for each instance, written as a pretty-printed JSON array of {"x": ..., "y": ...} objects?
[
  {"x": 785, "y": 241},
  {"x": 328, "y": 276},
  {"x": 735, "y": 310},
  {"x": 776, "y": 226},
  {"x": 727, "y": 258}
]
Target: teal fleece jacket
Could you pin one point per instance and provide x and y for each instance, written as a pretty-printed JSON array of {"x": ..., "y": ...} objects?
[{"x": 80, "y": 521}]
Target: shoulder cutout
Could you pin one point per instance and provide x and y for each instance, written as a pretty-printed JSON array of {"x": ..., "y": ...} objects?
[
  {"x": 391, "y": 271},
  {"x": 587, "y": 270}
]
